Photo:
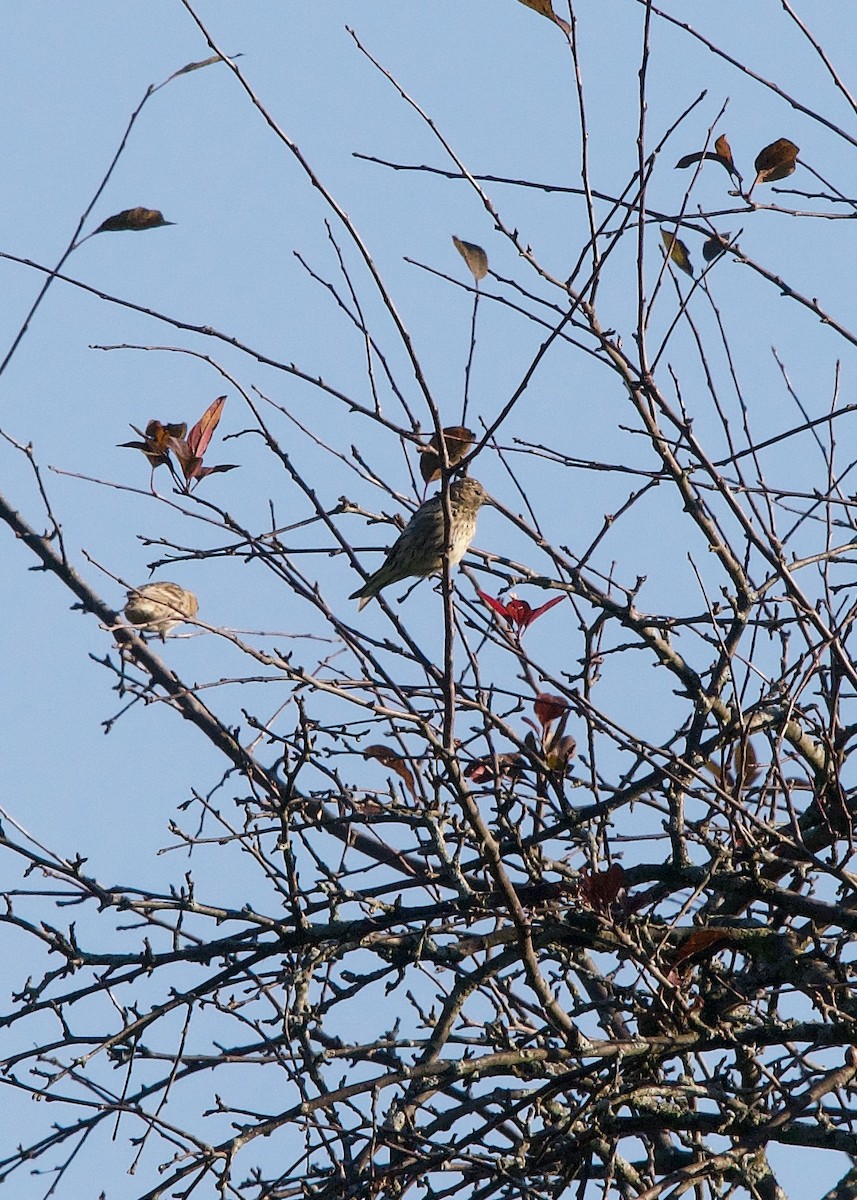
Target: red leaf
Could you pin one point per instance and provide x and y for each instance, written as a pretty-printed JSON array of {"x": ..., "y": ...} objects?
[
  {"x": 549, "y": 708},
  {"x": 200, "y": 435},
  {"x": 702, "y": 941},
  {"x": 160, "y": 440},
  {"x": 201, "y": 472},
  {"x": 509, "y": 766},
  {"x": 601, "y": 890},
  {"x": 393, "y": 762},
  {"x": 517, "y": 612},
  {"x": 537, "y": 612},
  {"x": 497, "y": 605},
  {"x": 187, "y": 460}
]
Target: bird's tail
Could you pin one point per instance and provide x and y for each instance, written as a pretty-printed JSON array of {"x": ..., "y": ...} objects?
[{"x": 363, "y": 594}]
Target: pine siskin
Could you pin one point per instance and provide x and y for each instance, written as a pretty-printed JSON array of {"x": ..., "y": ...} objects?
[
  {"x": 159, "y": 606},
  {"x": 419, "y": 548}
]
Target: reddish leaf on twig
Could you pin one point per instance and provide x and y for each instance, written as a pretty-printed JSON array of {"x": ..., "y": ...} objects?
[
  {"x": 190, "y": 452},
  {"x": 161, "y": 440},
  {"x": 556, "y": 749},
  {"x": 393, "y": 762},
  {"x": 200, "y": 435},
  {"x": 549, "y": 708},
  {"x": 517, "y": 612},
  {"x": 600, "y": 890},
  {"x": 508, "y": 766},
  {"x": 700, "y": 942}
]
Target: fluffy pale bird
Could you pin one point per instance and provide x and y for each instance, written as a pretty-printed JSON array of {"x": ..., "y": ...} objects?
[
  {"x": 159, "y": 606},
  {"x": 418, "y": 551}
]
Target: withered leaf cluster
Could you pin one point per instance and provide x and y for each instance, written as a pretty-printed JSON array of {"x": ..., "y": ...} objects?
[{"x": 162, "y": 442}]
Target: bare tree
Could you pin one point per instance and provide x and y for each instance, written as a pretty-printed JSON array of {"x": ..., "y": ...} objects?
[{"x": 538, "y": 882}]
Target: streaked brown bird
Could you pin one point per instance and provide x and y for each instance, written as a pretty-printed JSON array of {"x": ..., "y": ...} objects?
[
  {"x": 418, "y": 550},
  {"x": 159, "y": 606}
]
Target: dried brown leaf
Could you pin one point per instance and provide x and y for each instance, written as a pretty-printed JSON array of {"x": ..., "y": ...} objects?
[
  {"x": 474, "y": 256},
  {"x": 189, "y": 462},
  {"x": 160, "y": 441},
  {"x": 687, "y": 160},
  {"x": 776, "y": 161},
  {"x": 739, "y": 770},
  {"x": 457, "y": 440},
  {"x": 725, "y": 151},
  {"x": 133, "y": 219},
  {"x": 157, "y": 441},
  {"x": 196, "y": 66},
  {"x": 393, "y": 762},
  {"x": 721, "y": 154},
  {"x": 544, "y": 7},
  {"x": 698, "y": 156}
]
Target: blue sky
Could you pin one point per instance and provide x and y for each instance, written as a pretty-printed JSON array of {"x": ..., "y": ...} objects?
[{"x": 496, "y": 79}]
